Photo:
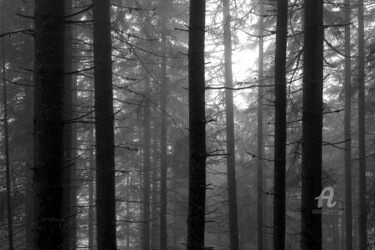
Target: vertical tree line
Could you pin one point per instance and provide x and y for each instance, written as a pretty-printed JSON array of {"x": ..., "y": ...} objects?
[
  {"x": 49, "y": 18},
  {"x": 280, "y": 126},
  {"x": 144, "y": 124},
  {"x": 104, "y": 127},
  {"x": 312, "y": 123},
  {"x": 197, "y": 127},
  {"x": 231, "y": 159}
]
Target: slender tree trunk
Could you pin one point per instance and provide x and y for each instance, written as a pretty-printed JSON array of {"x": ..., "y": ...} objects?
[
  {"x": 28, "y": 119},
  {"x": 6, "y": 142},
  {"x": 48, "y": 123},
  {"x": 347, "y": 130},
  {"x": 260, "y": 140},
  {"x": 68, "y": 131},
  {"x": 163, "y": 132},
  {"x": 280, "y": 126},
  {"x": 362, "y": 218},
  {"x": 91, "y": 192},
  {"x": 146, "y": 169},
  {"x": 311, "y": 220},
  {"x": 104, "y": 127},
  {"x": 155, "y": 226},
  {"x": 197, "y": 127},
  {"x": 231, "y": 163}
]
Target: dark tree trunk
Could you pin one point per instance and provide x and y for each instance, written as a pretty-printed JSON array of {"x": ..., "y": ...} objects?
[
  {"x": 347, "y": 129},
  {"x": 362, "y": 217},
  {"x": 69, "y": 230},
  {"x": 197, "y": 127},
  {"x": 28, "y": 121},
  {"x": 91, "y": 192},
  {"x": 231, "y": 163},
  {"x": 280, "y": 126},
  {"x": 311, "y": 220},
  {"x": 260, "y": 140},
  {"x": 48, "y": 124},
  {"x": 104, "y": 127},
  {"x": 6, "y": 142},
  {"x": 146, "y": 168}
]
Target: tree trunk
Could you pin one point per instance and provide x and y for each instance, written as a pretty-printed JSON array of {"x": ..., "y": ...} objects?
[
  {"x": 91, "y": 192},
  {"x": 28, "y": 121},
  {"x": 68, "y": 132},
  {"x": 104, "y": 127},
  {"x": 280, "y": 126},
  {"x": 311, "y": 220},
  {"x": 146, "y": 168},
  {"x": 6, "y": 142},
  {"x": 347, "y": 130},
  {"x": 48, "y": 123},
  {"x": 197, "y": 127},
  {"x": 260, "y": 141},
  {"x": 163, "y": 131},
  {"x": 231, "y": 163},
  {"x": 362, "y": 218}
]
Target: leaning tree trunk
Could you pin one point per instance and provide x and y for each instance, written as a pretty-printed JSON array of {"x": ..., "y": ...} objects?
[
  {"x": 231, "y": 163},
  {"x": 104, "y": 127},
  {"x": 347, "y": 133},
  {"x": 362, "y": 217},
  {"x": 280, "y": 126},
  {"x": 311, "y": 220},
  {"x": 197, "y": 127},
  {"x": 48, "y": 123}
]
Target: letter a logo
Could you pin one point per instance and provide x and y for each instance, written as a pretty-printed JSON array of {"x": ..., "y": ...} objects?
[{"x": 328, "y": 197}]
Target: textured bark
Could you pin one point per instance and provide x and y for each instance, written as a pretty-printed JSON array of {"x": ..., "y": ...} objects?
[
  {"x": 197, "y": 128},
  {"x": 91, "y": 193},
  {"x": 28, "y": 121},
  {"x": 347, "y": 131},
  {"x": 146, "y": 169},
  {"x": 260, "y": 140},
  {"x": 6, "y": 142},
  {"x": 311, "y": 220},
  {"x": 48, "y": 124},
  {"x": 231, "y": 166},
  {"x": 280, "y": 126},
  {"x": 362, "y": 217},
  {"x": 104, "y": 127}
]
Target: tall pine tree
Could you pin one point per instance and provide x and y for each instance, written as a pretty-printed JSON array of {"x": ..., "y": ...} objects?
[{"x": 48, "y": 123}]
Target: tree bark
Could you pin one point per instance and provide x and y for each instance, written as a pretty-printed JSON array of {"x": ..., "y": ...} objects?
[
  {"x": 6, "y": 141},
  {"x": 362, "y": 217},
  {"x": 260, "y": 140},
  {"x": 104, "y": 127},
  {"x": 347, "y": 131},
  {"x": 91, "y": 193},
  {"x": 197, "y": 127},
  {"x": 231, "y": 162},
  {"x": 146, "y": 168},
  {"x": 280, "y": 126},
  {"x": 163, "y": 130},
  {"x": 69, "y": 230},
  {"x": 48, "y": 124},
  {"x": 311, "y": 221}
]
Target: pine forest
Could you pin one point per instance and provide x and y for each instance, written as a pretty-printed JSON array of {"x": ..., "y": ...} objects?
[{"x": 187, "y": 124}]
